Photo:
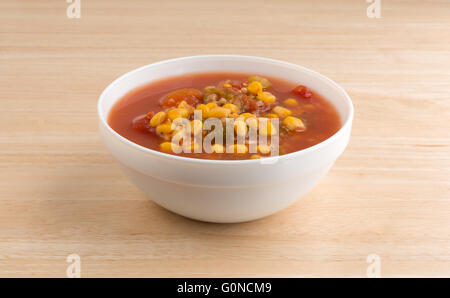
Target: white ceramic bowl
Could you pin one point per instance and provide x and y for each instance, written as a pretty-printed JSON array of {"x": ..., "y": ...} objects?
[{"x": 220, "y": 190}]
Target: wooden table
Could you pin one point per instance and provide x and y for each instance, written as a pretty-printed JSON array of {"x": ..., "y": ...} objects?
[{"x": 62, "y": 193}]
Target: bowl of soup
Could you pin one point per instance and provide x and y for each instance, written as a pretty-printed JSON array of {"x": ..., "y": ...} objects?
[{"x": 225, "y": 138}]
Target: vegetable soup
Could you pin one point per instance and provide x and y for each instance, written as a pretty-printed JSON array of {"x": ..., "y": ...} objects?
[{"x": 260, "y": 116}]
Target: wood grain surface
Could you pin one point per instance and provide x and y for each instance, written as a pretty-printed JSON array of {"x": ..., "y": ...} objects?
[{"x": 62, "y": 193}]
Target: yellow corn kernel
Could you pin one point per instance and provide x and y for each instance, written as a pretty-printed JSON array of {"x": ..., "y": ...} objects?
[
  {"x": 282, "y": 112},
  {"x": 240, "y": 127},
  {"x": 217, "y": 148},
  {"x": 167, "y": 146},
  {"x": 252, "y": 122},
  {"x": 196, "y": 126},
  {"x": 267, "y": 97},
  {"x": 218, "y": 113},
  {"x": 226, "y": 85},
  {"x": 272, "y": 115},
  {"x": 178, "y": 127},
  {"x": 255, "y": 87},
  {"x": 255, "y": 156},
  {"x": 264, "y": 149},
  {"x": 186, "y": 106},
  {"x": 204, "y": 109},
  {"x": 177, "y": 113},
  {"x": 247, "y": 115},
  {"x": 290, "y": 102},
  {"x": 293, "y": 123},
  {"x": 264, "y": 82},
  {"x": 184, "y": 113},
  {"x": 266, "y": 128},
  {"x": 233, "y": 108},
  {"x": 158, "y": 118},
  {"x": 173, "y": 114},
  {"x": 211, "y": 105},
  {"x": 238, "y": 148},
  {"x": 164, "y": 128}
]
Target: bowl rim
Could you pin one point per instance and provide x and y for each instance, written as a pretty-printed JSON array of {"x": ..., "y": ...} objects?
[{"x": 268, "y": 160}]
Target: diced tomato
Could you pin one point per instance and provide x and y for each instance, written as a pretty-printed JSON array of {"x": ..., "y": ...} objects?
[
  {"x": 254, "y": 106},
  {"x": 191, "y": 96},
  {"x": 142, "y": 123},
  {"x": 251, "y": 105},
  {"x": 236, "y": 84},
  {"x": 302, "y": 91}
]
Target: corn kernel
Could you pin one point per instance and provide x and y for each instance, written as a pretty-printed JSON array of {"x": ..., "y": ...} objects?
[
  {"x": 218, "y": 112},
  {"x": 179, "y": 126},
  {"x": 255, "y": 156},
  {"x": 264, "y": 82},
  {"x": 167, "y": 146},
  {"x": 290, "y": 102},
  {"x": 238, "y": 148},
  {"x": 233, "y": 108},
  {"x": 177, "y": 113},
  {"x": 255, "y": 87},
  {"x": 267, "y": 97},
  {"x": 241, "y": 128},
  {"x": 157, "y": 119},
  {"x": 211, "y": 105},
  {"x": 164, "y": 128},
  {"x": 184, "y": 113},
  {"x": 293, "y": 123},
  {"x": 226, "y": 85},
  {"x": 173, "y": 114},
  {"x": 217, "y": 148},
  {"x": 266, "y": 128},
  {"x": 252, "y": 122},
  {"x": 196, "y": 126},
  {"x": 204, "y": 109},
  {"x": 282, "y": 112},
  {"x": 186, "y": 106},
  {"x": 264, "y": 149},
  {"x": 246, "y": 116}
]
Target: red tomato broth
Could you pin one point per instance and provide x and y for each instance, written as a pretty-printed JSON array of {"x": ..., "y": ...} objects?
[{"x": 320, "y": 117}]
